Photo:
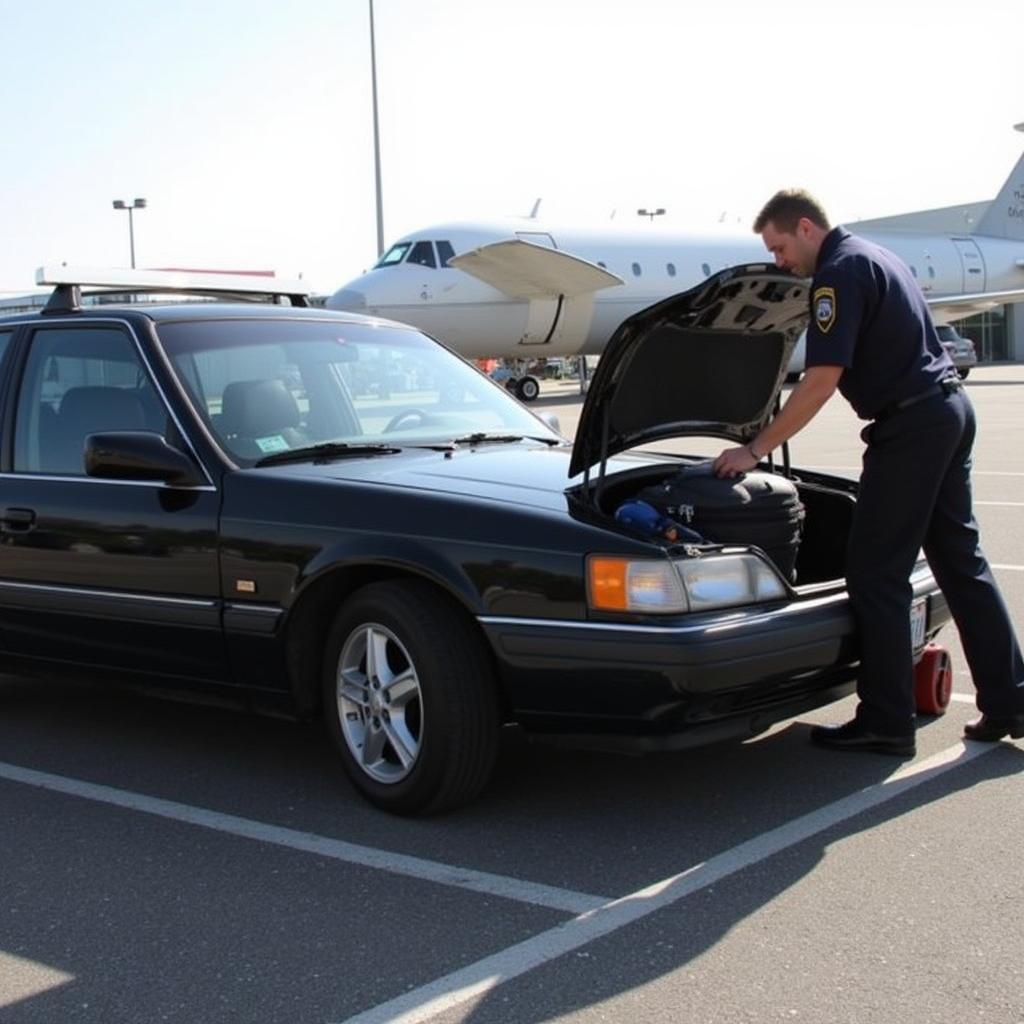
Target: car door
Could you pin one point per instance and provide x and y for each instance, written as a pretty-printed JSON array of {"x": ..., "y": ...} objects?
[{"x": 105, "y": 573}]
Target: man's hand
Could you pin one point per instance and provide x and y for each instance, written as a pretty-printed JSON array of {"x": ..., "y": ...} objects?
[
  {"x": 734, "y": 461},
  {"x": 804, "y": 401}
]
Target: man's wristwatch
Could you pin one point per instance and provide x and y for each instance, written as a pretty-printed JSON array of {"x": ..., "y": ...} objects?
[{"x": 753, "y": 453}]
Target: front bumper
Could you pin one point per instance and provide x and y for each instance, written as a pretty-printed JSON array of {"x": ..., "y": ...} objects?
[{"x": 714, "y": 676}]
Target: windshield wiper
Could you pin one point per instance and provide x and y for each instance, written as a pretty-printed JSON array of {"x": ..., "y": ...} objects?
[
  {"x": 328, "y": 450},
  {"x": 484, "y": 438}
]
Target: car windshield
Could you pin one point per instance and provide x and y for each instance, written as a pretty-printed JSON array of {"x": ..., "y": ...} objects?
[{"x": 270, "y": 386}]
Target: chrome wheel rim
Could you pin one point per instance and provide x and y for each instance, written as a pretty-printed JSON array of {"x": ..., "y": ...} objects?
[{"x": 379, "y": 703}]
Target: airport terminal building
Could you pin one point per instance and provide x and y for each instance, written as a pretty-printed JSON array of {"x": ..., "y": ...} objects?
[{"x": 998, "y": 335}]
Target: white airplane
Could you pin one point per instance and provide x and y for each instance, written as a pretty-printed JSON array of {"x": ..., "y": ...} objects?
[{"x": 517, "y": 289}]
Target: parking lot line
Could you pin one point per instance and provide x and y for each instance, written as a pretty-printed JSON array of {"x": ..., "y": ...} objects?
[
  {"x": 539, "y": 895},
  {"x": 21, "y": 978},
  {"x": 1012, "y": 568},
  {"x": 477, "y": 979}
]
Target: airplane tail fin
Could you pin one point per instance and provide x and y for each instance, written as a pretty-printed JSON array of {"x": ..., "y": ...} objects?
[{"x": 1004, "y": 217}]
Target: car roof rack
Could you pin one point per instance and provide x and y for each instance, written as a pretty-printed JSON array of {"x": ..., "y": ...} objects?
[{"x": 69, "y": 283}]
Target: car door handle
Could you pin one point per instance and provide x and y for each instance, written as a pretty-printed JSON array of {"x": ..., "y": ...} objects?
[{"x": 17, "y": 520}]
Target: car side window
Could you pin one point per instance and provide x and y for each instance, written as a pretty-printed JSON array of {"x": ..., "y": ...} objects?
[{"x": 79, "y": 381}]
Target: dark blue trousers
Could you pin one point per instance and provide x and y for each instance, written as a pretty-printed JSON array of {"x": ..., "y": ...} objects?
[{"x": 915, "y": 492}]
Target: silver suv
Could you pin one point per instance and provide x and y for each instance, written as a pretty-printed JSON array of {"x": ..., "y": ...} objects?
[{"x": 961, "y": 350}]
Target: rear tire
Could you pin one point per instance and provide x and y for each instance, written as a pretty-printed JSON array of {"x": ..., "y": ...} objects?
[{"x": 410, "y": 699}]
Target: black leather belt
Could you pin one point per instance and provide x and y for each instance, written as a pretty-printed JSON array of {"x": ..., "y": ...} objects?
[{"x": 944, "y": 387}]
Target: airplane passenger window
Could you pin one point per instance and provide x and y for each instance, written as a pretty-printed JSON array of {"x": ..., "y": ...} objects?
[
  {"x": 422, "y": 254},
  {"x": 600, "y": 264},
  {"x": 706, "y": 269},
  {"x": 913, "y": 270},
  {"x": 671, "y": 268},
  {"x": 636, "y": 269},
  {"x": 931, "y": 271},
  {"x": 444, "y": 253},
  {"x": 394, "y": 255}
]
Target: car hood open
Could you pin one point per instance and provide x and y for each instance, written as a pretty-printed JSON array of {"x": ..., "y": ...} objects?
[{"x": 709, "y": 361}]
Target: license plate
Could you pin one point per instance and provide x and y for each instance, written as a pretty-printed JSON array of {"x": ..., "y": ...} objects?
[{"x": 918, "y": 622}]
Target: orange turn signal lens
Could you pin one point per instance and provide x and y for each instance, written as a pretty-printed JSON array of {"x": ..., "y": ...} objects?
[
  {"x": 642, "y": 585},
  {"x": 606, "y": 583}
]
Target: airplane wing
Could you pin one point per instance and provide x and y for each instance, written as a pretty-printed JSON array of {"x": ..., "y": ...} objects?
[
  {"x": 955, "y": 307},
  {"x": 527, "y": 271}
]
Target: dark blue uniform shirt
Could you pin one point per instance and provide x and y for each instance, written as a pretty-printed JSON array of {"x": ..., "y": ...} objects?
[{"x": 869, "y": 316}]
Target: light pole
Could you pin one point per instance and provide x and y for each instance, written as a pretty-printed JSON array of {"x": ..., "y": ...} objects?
[
  {"x": 376, "y": 139},
  {"x": 651, "y": 213},
  {"x": 137, "y": 204}
]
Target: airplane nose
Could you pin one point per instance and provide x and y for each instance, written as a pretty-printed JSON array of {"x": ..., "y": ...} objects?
[{"x": 348, "y": 299}]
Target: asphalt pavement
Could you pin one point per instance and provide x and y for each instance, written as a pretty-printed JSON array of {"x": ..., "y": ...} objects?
[{"x": 169, "y": 862}]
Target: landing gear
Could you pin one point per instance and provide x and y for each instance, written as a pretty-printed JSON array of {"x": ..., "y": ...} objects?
[
  {"x": 933, "y": 680},
  {"x": 527, "y": 389}
]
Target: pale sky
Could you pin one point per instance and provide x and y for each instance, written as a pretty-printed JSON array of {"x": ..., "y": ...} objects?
[{"x": 247, "y": 124}]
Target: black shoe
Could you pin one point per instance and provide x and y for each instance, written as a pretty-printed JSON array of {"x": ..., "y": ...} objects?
[
  {"x": 855, "y": 736},
  {"x": 990, "y": 728}
]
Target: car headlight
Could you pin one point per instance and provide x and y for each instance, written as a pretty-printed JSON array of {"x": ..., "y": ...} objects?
[
  {"x": 720, "y": 581},
  {"x": 656, "y": 586}
]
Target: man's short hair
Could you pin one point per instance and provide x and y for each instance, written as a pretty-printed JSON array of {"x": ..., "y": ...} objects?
[{"x": 786, "y": 207}]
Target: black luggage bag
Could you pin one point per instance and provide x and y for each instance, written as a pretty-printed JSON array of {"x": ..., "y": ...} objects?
[{"x": 762, "y": 509}]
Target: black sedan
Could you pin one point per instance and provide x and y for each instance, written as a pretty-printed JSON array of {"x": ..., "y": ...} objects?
[{"x": 334, "y": 515}]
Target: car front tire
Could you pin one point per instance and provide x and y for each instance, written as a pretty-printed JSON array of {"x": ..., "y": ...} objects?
[{"x": 410, "y": 699}]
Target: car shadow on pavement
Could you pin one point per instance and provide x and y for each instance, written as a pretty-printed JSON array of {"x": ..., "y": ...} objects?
[
  {"x": 671, "y": 810},
  {"x": 589, "y": 822}
]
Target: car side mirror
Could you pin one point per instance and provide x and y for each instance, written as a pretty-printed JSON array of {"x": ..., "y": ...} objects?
[{"x": 138, "y": 455}]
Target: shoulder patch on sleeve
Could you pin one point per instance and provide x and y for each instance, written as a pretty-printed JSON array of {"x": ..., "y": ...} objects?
[{"x": 824, "y": 303}]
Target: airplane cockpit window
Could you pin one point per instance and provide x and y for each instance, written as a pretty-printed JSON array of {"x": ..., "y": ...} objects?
[
  {"x": 394, "y": 255},
  {"x": 444, "y": 253},
  {"x": 423, "y": 255}
]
